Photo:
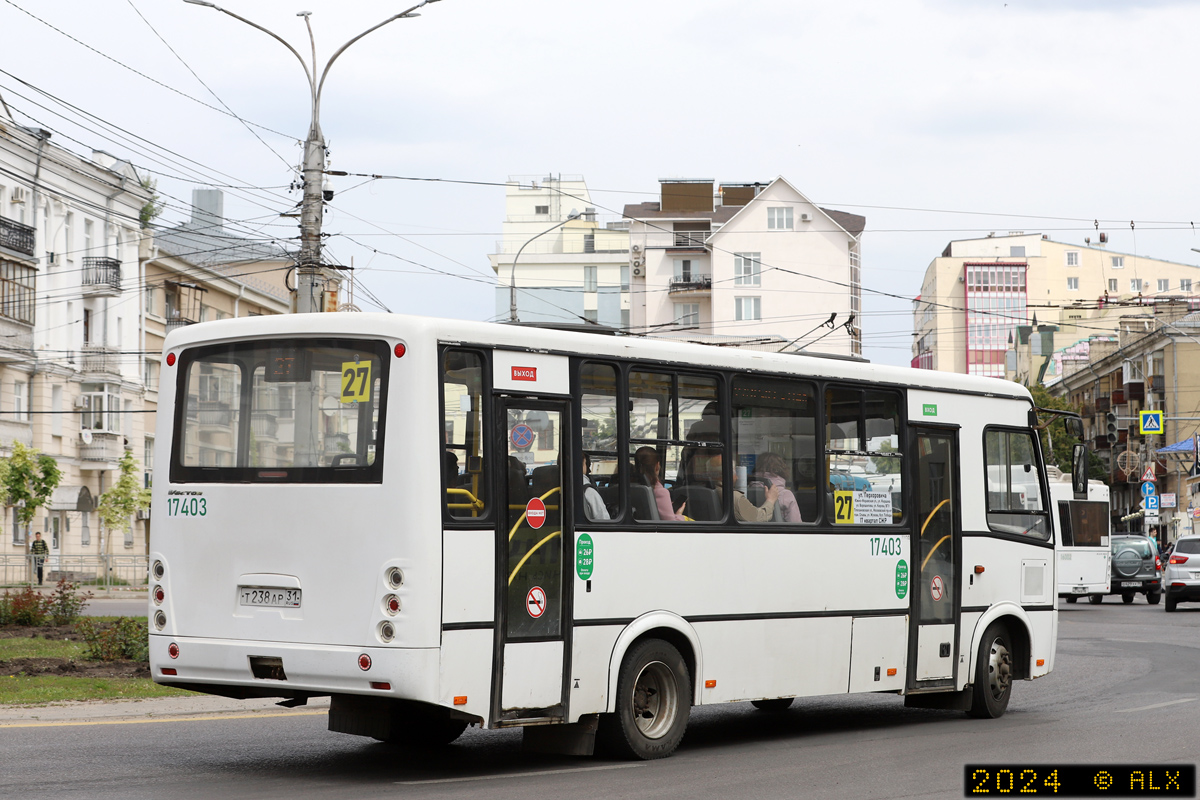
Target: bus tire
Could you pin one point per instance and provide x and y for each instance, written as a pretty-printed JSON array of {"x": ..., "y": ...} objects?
[
  {"x": 773, "y": 704},
  {"x": 993, "y": 674},
  {"x": 654, "y": 700},
  {"x": 1095, "y": 599}
]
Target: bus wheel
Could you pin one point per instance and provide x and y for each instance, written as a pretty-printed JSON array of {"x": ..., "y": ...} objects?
[
  {"x": 653, "y": 703},
  {"x": 774, "y": 704},
  {"x": 1095, "y": 599},
  {"x": 1071, "y": 598},
  {"x": 993, "y": 674}
]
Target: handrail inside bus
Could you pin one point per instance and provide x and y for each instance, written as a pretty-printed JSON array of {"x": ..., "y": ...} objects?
[
  {"x": 525, "y": 558},
  {"x": 475, "y": 505},
  {"x": 521, "y": 518},
  {"x": 926, "y": 525}
]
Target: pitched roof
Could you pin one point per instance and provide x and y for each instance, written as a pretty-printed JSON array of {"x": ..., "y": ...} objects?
[{"x": 652, "y": 210}]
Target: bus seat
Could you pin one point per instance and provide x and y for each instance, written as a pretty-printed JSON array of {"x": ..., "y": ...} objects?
[
  {"x": 641, "y": 500},
  {"x": 703, "y": 503},
  {"x": 756, "y": 492},
  {"x": 611, "y": 495},
  {"x": 544, "y": 479}
]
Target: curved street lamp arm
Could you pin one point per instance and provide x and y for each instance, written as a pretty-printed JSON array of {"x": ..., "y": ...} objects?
[
  {"x": 274, "y": 36},
  {"x": 340, "y": 50},
  {"x": 512, "y": 282}
]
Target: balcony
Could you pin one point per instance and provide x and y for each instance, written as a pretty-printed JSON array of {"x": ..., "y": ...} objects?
[
  {"x": 690, "y": 285},
  {"x": 16, "y": 237},
  {"x": 1158, "y": 383},
  {"x": 1118, "y": 397},
  {"x": 102, "y": 452},
  {"x": 100, "y": 359},
  {"x": 1135, "y": 390},
  {"x": 691, "y": 239},
  {"x": 101, "y": 276},
  {"x": 1102, "y": 405},
  {"x": 176, "y": 321}
]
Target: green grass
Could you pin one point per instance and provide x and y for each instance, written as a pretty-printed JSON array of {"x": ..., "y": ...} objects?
[
  {"x": 25, "y": 647},
  {"x": 25, "y": 690}
]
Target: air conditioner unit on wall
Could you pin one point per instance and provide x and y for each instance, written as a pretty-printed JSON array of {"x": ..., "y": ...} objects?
[
  {"x": 638, "y": 270},
  {"x": 637, "y": 248},
  {"x": 804, "y": 217},
  {"x": 638, "y": 261},
  {"x": 18, "y": 194}
]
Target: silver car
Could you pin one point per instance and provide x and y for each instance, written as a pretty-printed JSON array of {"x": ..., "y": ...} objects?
[{"x": 1181, "y": 577}]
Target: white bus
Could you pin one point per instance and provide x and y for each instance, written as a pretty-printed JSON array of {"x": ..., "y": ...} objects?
[
  {"x": 391, "y": 511},
  {"x": 1084, "y": 557}
]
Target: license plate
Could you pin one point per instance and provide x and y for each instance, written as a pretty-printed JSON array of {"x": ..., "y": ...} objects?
[
  {"x": 1079, "y": 589},
  {"x": 1195, "y": 574},
  {"x": 269, "y": 597},
  {"x": 1130, "y": 583}
]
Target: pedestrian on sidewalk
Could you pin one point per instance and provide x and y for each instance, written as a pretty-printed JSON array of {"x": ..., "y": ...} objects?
[{"x": 39, "y": 550}]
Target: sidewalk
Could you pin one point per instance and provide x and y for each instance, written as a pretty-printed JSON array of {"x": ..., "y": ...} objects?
[{"x": 98, "y": 712}]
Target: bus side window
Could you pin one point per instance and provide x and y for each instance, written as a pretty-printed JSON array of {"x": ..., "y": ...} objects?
[
  {"x": 463, "y": 435},
  {"x": 775, "y": 442},
  {"x": 863, "y": 457},
  {"x": 600, "y": 478}
]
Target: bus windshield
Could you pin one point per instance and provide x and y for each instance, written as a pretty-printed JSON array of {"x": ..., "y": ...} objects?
[{"x": 283, "y": 410}]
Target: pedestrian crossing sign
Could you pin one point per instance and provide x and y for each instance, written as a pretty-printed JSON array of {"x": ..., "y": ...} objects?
[{"x": 1150, "y": 422}]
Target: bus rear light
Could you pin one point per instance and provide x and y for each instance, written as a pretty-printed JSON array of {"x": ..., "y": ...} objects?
[
  {"x": 460, "y": 700},
  {"x": 387, "y": 687},
  {"x": 391, "y": 604},
  {"x": 169, "y": 671},
  {"x": 173, "y": 650},
  {"x": 160, "y": 620},
  {"x": 395, "y": 577},
  {"x": 400, "y": 350},
  {"x": 364, "y": 662},
  {"x": 159, "y": 595},
  {"x": 159, "y": 570},
  {"x": 170, "y": 359},
  {"x": 1178, "y": 559},
  {"x": 387, "y": 632}
]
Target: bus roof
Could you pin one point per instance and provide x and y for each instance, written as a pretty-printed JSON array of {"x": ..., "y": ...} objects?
[{"x": 521, "y": 337}]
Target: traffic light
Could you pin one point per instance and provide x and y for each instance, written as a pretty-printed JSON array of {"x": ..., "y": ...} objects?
[{"x": 1110, "y": 420}]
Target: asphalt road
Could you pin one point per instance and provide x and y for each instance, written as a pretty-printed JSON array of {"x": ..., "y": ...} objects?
[{"x": 1126, "y": 688}]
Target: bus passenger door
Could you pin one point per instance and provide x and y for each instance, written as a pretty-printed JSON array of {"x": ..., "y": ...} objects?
[
  {"x": 936, "y": 581},
  {"x": 528, "y": 682}
]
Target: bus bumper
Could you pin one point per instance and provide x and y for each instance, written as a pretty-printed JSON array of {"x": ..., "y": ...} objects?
[{"x": 242, "y": 668}]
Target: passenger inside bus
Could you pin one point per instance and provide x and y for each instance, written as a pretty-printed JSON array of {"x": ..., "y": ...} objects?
[
  {"x": 593, "y": 504},
  {"x": 770, "y": 469},
  {"x": 743, "y": 509},
  {"x": 648, "y": 469}
]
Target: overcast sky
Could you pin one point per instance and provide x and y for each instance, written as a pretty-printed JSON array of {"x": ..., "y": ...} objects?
[{"x": 935, "y": 120}]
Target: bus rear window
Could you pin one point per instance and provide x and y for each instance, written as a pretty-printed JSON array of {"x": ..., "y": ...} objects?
[{"x": 279, "y": 411}]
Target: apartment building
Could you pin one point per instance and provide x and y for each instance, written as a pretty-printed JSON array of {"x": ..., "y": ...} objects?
[
  {"x": 977, "y": 293},
  {"x": 746, "y": 264}
]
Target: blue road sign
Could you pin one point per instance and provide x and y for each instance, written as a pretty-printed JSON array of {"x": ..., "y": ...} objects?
[
  {"x": 1150, "y": 422},
  {"x": 1151, "y": 503},
  {"x": 1148, "y": 489},
  {"x": 521, "y": 435}
]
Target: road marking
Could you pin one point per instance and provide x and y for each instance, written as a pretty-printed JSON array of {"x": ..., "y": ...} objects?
[
  {"x": 156, "y": 719},
  {"x": 518, "y": 774},
  {"x": 1157, "y": 705}
]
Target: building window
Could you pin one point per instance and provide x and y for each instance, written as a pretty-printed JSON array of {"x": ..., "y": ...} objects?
[
  {"x": 1112, "y": 285},
  {"x": 541, "y": 209},
  {"x": 150, "y": 300},
  {"x": 101, "y": 407},
  {"x": 747, "y": 269},
  {"x": 687, "y": 314},
  {"x": 779, "y": 219},
  {"x": 625, "y": 278},
  {"x": 1185, "y": 285},
  {"x": 1135, "y": 285},
  {"x": 148, "y": 460},
  {"x": 1072, "y": 284},
  {"x": 21, "y": 401},
  {"x": 589, "y": 243},
  {"x": 683, "y": 269},
  {"x": 56, "y": 407},
  {"x": 16, "y": 291},
  {"x": 747, "y": 308},
  {"x": 88, "y": 231},
  {"x": 590, "y": 280},
  {"x": 69, "y": 235},
  {"x": 150, "y": 378},
  {"x": 1072, "y": 258},
  {"x": 1164, "y": 284},
  {"x": 1118, "y": 262}
]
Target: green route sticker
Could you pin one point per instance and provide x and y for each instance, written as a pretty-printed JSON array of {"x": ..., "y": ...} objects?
[
  {"x": 583, "y": 556},
  {"x": 901, "y": 579},
  {"x": 929, "y": 409}
]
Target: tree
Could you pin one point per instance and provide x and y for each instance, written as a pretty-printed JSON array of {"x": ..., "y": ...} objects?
[
  {"x": 28, "y": 479},
  {"x": 1056, "y": 444},
  {"x": 125, "y": 498},
  {"x": 152, "y": 207}
]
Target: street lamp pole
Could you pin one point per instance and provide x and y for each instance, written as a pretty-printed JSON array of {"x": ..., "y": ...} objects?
[
  {"x": 309, "y": 270},
  {"x": 512, "y": 278}
]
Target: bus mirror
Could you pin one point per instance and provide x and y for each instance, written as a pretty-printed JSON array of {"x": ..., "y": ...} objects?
[
  {"x": 1074, "y": 426},
  {"x": 1079, "y": 478}
]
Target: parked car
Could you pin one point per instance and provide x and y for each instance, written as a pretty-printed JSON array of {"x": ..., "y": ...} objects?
[
  {"x": 1181, "y": 574},
  {"x": 1136, "y": 569}
]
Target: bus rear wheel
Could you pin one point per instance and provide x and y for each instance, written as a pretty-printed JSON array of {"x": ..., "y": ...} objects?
[
  {"x": 773, "y": 704},
  {"x": 993, "y": 674},
  {"x": 653, "y": 703}
]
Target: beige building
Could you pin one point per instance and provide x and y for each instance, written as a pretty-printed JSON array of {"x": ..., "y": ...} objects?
[{"x": 979, "y": 291}]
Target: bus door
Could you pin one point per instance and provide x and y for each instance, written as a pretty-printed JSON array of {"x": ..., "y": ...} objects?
[
  {"x": 533, "y": 596},
  {"x": 936, "y": 574}
]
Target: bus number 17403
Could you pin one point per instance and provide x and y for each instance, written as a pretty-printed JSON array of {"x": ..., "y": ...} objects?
[
  {"x": 187, "y": 506},
  {"x": 886, "y": 546}
]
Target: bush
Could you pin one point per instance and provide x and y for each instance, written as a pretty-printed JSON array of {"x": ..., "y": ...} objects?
[
  {"x": 66, "y": 602},
  {"x": 127, "y": 638},
  {"x": 26, "y": 607}
]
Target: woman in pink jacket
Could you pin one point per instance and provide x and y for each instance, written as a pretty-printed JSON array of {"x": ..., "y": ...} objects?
[
  {"x": 770, "y": 468},
  {"x": 648, "y": 467}
]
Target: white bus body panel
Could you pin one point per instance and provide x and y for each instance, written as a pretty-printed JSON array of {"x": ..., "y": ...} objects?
[{"x": 1082, "y": 570}]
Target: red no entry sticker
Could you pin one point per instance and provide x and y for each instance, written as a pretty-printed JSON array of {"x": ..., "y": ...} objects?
[{"x": 535, "y": 513}]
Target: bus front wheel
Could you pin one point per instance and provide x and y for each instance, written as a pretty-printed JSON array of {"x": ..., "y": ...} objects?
[
  {"x": 653, "y": 703},
  {"x": 993, "y": 674}
]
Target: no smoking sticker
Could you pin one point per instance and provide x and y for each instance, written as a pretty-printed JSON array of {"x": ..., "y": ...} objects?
[
  {"x": 936, "y": 587},
  {"x": 535, "y": 602}
]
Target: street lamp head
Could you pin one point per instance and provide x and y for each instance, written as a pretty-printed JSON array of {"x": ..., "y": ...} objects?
[
  {"x": 201, "y": 3},
  {"x": 303, "y": 13},
  {"x": 574, "y": 214}
]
